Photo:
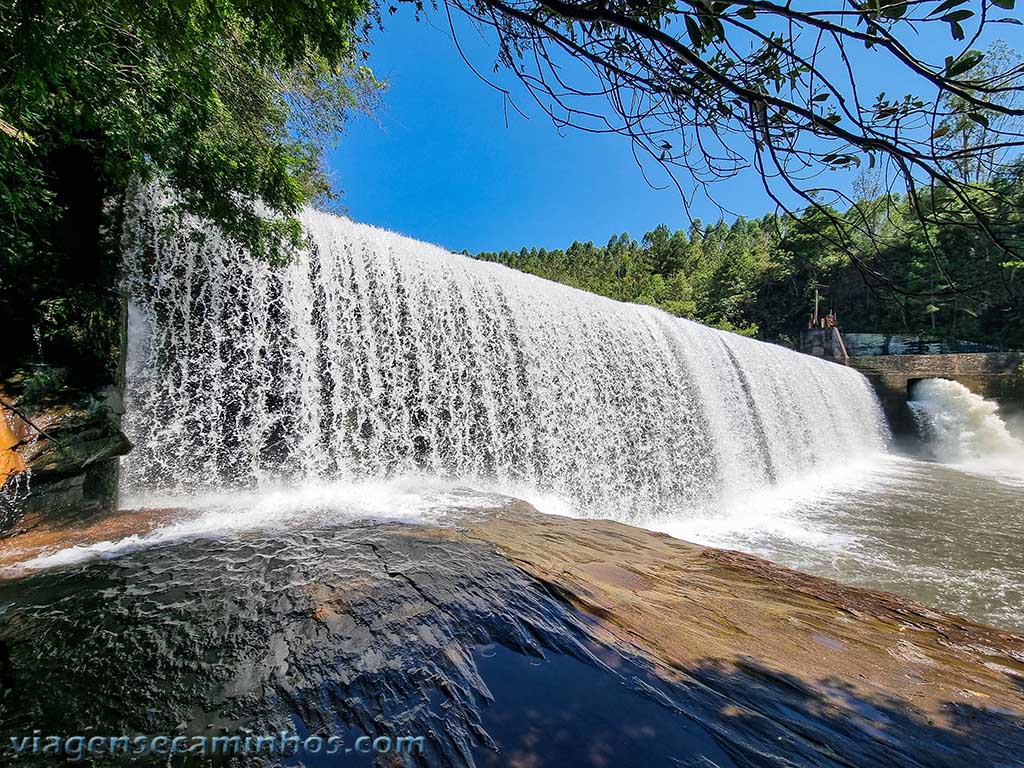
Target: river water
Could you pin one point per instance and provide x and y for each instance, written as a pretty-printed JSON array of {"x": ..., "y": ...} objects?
[
  {"x": 947, "y": 536},
  {"x": 946, "y": 533},
  {"x": 376, "y": 377},
  {"x": 945, "y": 530}
]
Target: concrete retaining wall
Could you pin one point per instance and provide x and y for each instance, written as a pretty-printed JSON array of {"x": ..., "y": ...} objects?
[
  {"x": 994, "y": 375},
  {"x": 864, "y": 344},
  {"x": 985, "y": 373},
  {"x": 826, "y": 343}
]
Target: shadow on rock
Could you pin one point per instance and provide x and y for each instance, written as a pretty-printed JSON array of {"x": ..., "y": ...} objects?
[{"x": 403, "y": 632}]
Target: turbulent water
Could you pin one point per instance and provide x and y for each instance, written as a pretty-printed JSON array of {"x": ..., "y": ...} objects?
[
  {"x": 372, "y": 355},
  {"x": 378, "y": 378},
  {"x": 965, "y": 429},
  {"x": 945, "y": 531}
]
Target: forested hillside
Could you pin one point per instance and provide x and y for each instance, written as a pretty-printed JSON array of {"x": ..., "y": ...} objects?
[{"x": 757, "y": 276}]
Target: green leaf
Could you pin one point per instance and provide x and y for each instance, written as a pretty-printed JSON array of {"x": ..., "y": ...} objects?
[
  {"x": 1006, "y": 5},
  {"x": 931, "y": 309},
  {"x": 20, "y": 136},
  {"x": 963, "y": 64},
  {"x": 961, "y": 15},
  {"x": 821, "y": 97},
  {"x": 895, "y": 11},
  {"x": 979, "y": 118},
  {"x": 696, "y": 36},
  {"x": 841, "y": 160},
  {"x": 945, "y": 6},
  {"x": 941, "y": 131},
  {"x": 747, "y": 13},
  {"x": 956, "y": 30}
]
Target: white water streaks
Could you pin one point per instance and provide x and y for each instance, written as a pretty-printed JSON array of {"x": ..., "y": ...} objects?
[
  {"x": 413, "y": 500},
  {"x": 966, "y": 430},
  {"x": 371, "y": 355}
]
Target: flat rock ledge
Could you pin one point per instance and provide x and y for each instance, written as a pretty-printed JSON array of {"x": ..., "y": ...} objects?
[{"x": 505, "y": 638}]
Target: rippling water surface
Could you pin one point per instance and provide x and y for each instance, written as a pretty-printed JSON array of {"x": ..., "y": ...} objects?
[
  {"x": 376, "y": 377},
  {"x": 940, "y": 534},
  {"x": 945, "y": 535}
]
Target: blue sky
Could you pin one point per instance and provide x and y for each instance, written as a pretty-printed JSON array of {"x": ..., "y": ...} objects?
[
  {"x": 442, "y": 166},
  {"x": 439, "y": 163}
]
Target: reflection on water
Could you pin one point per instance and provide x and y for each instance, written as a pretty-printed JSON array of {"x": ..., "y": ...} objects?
[
  {"x": 561, "y": 712},
  {"x": 947, "y": 536},
  {"x": 379, "y": 631}
]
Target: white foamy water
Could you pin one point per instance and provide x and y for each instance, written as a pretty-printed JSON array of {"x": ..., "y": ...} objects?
[
  {"x": 372, "y": 356},
  {"x": 410, "y": 500},
  {"x": 944, "y": 535},
  {"x": 378, "y": 378},
  {"x": 760, "y": 521},
  {"x": 966, "y": 430}
]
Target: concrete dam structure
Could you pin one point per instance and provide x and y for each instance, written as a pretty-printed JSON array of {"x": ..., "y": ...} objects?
[
  {"x": 991, "y": 374},
  {"x": 371, "y": 356},
  {"x": 984, "y": 373}
]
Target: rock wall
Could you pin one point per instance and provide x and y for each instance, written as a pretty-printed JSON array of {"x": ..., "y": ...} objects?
[
  {"x": 507, "y": 639},
  {"x": 59, "y": 450},
  {"x": 984, "y": 373}
]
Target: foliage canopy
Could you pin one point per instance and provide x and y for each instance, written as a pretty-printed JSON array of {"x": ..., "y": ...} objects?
[
  {"x": 232, "y": 102},
  {"x": 758, "y": 276},
  {"x": 707, "y": 89},
  {"x": 229, "y": 103}
]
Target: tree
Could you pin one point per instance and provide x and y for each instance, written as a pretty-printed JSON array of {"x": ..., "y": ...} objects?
[
  {"x": 971, "y": 135},
  {"x": 668, "y": 249},
  {"x": 707, "y": 88},
  {"x": 230, "y": 104},
  {"x": 758, "y": 276}
]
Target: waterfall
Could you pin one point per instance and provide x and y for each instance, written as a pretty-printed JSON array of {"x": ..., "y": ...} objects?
[
  {"x": 964, "y": 428},
  {"x": 371, "y": 355}
]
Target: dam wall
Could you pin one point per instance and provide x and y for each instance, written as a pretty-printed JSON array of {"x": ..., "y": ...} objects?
[
  {"x": 989, "y": 374},
  {"x": 370, "y": 356},
  {"x": 993, "y": 375},
  {"x": 870, "y": 344}
]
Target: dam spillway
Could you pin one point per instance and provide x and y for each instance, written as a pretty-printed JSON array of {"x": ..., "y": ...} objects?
[{"x": 371, "y": 356}]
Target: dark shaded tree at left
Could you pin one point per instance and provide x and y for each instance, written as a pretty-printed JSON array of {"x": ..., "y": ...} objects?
[{"x": 230, "y": 103}]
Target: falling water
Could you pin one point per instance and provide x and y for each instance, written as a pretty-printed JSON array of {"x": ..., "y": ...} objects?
[
  {"x": 964, "y": 428},
  {"x": 371, "y": 356}
]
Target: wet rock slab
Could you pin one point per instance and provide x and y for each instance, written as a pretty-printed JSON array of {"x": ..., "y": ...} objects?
[{"x": 509, "y": 639}]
